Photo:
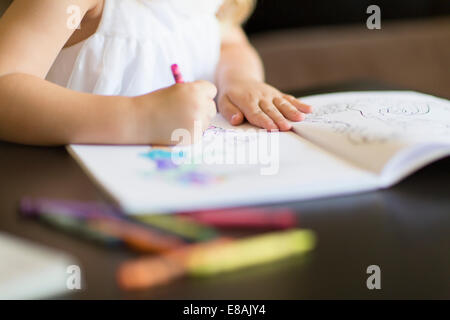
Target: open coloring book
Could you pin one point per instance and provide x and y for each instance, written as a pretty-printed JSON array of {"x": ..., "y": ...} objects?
[{"x": 352, "y": 142}]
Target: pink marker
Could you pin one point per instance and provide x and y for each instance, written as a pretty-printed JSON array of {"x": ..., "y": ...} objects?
[{"x": 177, "y": 73}]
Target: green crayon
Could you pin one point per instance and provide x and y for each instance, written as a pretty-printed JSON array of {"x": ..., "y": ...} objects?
[
  {"x": 184, "y": 228},
  {"x": 79, "y": 227}
]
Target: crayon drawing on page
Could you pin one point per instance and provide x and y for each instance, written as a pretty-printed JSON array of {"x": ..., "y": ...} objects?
[
  {"x": 215, "y": 140},
  {"x": 163, "y": 167}
]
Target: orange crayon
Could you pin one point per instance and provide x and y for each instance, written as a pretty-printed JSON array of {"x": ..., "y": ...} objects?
[{"x": 137, "y": 237}]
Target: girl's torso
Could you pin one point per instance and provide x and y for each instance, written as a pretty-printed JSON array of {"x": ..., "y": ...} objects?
[{"x": 135, "y": 43}]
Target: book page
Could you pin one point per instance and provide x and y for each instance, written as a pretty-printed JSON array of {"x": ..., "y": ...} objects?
[
  {"x": 371, "y": 128},
  {"x": 219, "y": 171}
]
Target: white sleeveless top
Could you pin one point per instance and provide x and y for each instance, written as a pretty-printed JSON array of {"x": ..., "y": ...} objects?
[{"x": 136, "y": 43}]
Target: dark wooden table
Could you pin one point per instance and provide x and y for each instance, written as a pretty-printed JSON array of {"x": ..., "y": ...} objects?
[{"x": 405, "y": 230}]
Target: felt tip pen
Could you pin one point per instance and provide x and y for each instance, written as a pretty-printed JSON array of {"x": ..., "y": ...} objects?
[
  {"x": 176, "y": 72},
  {"x": 213, "y": 258},
  {"x": 246, "y": 218}
]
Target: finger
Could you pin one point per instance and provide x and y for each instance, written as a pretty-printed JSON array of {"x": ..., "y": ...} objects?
[
  {"x": 230, "y": 111},
  {"x": 257, "y": 117},
  {"x": 211, "y": 109},
  {"x": 305, "y": 108},
  {"x": 288, "y": 110},
  {"x": 272, "y": 111},
  {"x": 253, "y": 113},
  {"x": 206, "y": 87}
]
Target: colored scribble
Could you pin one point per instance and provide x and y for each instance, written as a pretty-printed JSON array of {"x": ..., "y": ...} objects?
[
  {"x": 172, "y": 171},
  {"x": 195, "y": 177},
  {"x": 214, "y": 130},
  {"x": 163, "y": 158}
]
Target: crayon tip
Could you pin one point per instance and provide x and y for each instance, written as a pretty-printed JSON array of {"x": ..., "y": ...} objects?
[
  {"x": 147, "y": 273},
  {"x": 27, "y": 206}
]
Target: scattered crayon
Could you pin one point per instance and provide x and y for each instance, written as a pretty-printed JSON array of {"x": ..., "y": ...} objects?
[
  {"x": 187, "y": 229},
  {"x": 249, "y": 218},
  {"x": 212, "y": 258},
  {"x": 79, "y": 228},
  {"x": 136, "y": 236},
  {"x": 36, "y": 206},
  {"x": 88, "y": 218}
]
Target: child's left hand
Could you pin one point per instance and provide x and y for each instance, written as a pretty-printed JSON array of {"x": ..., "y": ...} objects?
[{"x": 261, "y": 104}]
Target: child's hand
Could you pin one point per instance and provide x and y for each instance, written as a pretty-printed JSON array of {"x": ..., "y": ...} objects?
[
  {"x": 262, "y": 105},
  {"x": 158, "y": 114}
]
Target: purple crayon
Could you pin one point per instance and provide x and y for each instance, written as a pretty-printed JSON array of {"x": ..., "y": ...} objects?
[{"x": 34, "y": 207}]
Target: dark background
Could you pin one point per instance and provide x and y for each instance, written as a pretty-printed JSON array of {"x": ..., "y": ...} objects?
[{"x": 282, "y": 14}]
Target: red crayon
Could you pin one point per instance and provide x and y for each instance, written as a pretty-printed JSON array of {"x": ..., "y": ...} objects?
[
  {"x": 177, "y": 74},
  {"x": 248, "y": 218}
]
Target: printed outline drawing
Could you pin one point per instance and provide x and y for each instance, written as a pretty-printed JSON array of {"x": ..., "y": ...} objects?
[{"x": 397, "y": 115}]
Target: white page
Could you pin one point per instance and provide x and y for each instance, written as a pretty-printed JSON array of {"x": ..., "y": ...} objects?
[
  {"x": 412, "y": 159},
  {"x": 370, "y": 128},
  {"x": 132, "y": 177},
  {"x": 30, "y": 271}
]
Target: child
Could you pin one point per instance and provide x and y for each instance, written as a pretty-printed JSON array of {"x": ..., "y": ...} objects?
[{"x": 109, "y": 81}]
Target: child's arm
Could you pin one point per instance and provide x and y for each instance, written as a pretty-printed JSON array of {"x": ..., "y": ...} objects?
[
  {"x": 32, "y": 110},
  {"x": 242, "y": 91},
  {"x": 35, "y": 111}
]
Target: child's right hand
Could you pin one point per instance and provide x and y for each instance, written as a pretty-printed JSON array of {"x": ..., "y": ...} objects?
[{"x": 158, "y": 114}]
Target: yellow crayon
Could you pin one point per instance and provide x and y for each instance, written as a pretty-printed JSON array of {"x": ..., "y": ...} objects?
[
  {"x": 249, "y": 252},
  {"x": 214, "y": 257}
]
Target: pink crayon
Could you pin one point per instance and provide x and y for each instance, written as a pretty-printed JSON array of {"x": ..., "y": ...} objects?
[
  {"x": 177, "y": 73},
  {"x": 251, "y": 218}
]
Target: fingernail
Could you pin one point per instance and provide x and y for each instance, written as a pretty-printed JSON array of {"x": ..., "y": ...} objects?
[
  {"x": 288, "y": 125},
  {"x": 273, "y": 126},
  {"x": 309, "y": 109},
  {"x": 285, "y": 126},
  {"x": 234, "y": 117}
]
